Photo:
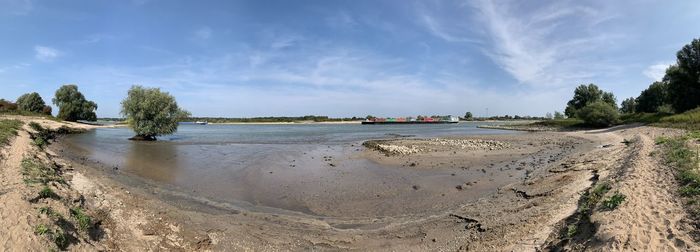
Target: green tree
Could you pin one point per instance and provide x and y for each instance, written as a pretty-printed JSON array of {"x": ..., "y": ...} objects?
[
  {"x": 151, "y": 112},
  {"x": 587, "y": 94},
  {"x": 599, "y": 114},
  {"x": 558, "y": 115},
  {"x": 655, "y": 96},
  {"x": 6, "y": 105},
  {"x": 684, "y": 78},
  {"x": 72, "y": 105},
  {"x": 31, "y": 102},
  {"x": 468, "y": 116},
  {"x": 628, "y": 105}
]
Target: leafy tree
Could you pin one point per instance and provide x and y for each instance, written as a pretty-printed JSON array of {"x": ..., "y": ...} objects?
[
  {"x": 72, "y": 105},
  {"x": 558, "y": 115},
  {"x": 31, "y": 102},
  {"x": 549, "y": 116},
  {"x": 587, "y": 94},
  {"x": 599, "y": 114},
  {"x": 151, "y": 112},
  {"x": 468, "y": 116},
  {"x": 684, "y": 78},
  {"x": 628, "y": 105},
  {"x": 652, "y": 98}
]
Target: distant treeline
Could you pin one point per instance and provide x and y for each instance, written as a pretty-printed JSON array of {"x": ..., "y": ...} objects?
[
  {"x": 307, "y": 118},
  {"x": 269, "y": 119},
  {"x": 504, "y": 118}
]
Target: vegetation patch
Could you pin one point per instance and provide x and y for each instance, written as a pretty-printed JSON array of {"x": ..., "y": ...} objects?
[
  {"x": 681, "y": 155},
  {"x": 84, "y": 221},
  {"x": 687, "y": 120},
  {"x": 613, "y": 201},
  {"x": 35, "y": 172},
  {"x": 47, "y": 193},
  {"x": 8, "y": 129}
]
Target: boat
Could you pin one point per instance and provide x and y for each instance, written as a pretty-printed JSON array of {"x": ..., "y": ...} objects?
[
  {"x": 411, "y": 120},
  {"x": 201, "y": 122}
]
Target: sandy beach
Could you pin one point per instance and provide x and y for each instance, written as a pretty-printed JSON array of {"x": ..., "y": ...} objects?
[{"x": 504, "y": 193}]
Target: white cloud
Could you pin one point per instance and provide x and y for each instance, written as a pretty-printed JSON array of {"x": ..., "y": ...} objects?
[
  {"x": 45, "y": 53},
  {"x": 657, "y": 71}
]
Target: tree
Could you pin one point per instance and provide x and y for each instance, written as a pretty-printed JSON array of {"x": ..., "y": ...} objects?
[
  {"x": 151, "y": 112},
  {"x": 587, "y": 94},
  {"x": 72, "y": 105},
  {"x": 549, "y": 116},
  {"x": 468, "y": 116},
  {"x": 558, "y": 115},
  {"x": 628, "y": 105},
  {"x": 684, "y": 78},
  {"x": 599, "y": 114},
  {"x": 655, "y": 96},
  {"x": 31, "y": 102}
]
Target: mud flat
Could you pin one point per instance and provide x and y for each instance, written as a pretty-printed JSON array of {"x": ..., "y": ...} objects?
[{"x": 480, "y": 193}]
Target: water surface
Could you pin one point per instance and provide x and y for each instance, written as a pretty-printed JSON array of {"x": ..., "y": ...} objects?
[{"x": 302, "y": 168}]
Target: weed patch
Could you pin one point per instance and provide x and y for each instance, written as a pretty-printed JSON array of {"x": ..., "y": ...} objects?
[
  {"x": 8, "y": 129},
  {"x": 614, "y": 201},
  {"x": 84, "y": 220}
]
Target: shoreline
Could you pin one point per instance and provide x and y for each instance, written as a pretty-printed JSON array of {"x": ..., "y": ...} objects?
[{"x": 143, "y": 218}]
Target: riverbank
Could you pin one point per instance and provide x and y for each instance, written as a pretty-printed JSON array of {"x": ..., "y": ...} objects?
[{"x": 525, "y": 187}]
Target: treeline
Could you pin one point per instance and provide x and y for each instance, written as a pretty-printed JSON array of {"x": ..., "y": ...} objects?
[
  {"x": 272, "y": 119},
  {"x": 71, "y": 103},
  {"x": 677, "y": 92}
]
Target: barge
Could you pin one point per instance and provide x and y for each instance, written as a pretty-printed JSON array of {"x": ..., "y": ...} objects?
[{"x": 411, "y": 120}]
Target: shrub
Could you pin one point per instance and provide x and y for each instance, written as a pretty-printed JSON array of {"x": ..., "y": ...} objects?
[
  {"x": 31, "y": 102},
  {"x": 151, "y": 113},
  {"x": 599, "y": 114},
  {"x": 72, "y": 105},
  {"x": 6, "y": 105}
]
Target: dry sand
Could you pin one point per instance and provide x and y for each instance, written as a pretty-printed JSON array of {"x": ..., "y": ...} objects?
[{"x": 523, "y": 215}]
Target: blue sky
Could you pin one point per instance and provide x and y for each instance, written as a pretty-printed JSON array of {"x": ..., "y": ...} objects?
[{"x": 341, "y": 58}]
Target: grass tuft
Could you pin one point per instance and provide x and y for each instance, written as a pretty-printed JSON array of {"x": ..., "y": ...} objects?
[
  {"x": 47, "y": 193},
  {"x": 614, "y": 201},
  {"x": 8, "y": 129},
  {"x": 84, "y": 220}
]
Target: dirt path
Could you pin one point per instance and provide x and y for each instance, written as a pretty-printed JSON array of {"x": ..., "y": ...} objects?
[
  {"x": 652, "y": 216},
  {"x": 16, "y": 213}
]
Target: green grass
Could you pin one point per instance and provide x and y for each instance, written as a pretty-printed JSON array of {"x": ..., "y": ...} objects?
[
  {"x": 47, "y": 193},
  {"x": 34, "y": 172},
  {"x": 613, "y": 201},
  {"x": 8, "y": 129},
  {"x": 686, "y": 120},
  {"x": 560, "y": 123},
  {"x": 42, "y": 229},
  {"x": 84, "y": 220},
  {"x": 642, "y": 117},
  {"x": 57, "y": 236}
]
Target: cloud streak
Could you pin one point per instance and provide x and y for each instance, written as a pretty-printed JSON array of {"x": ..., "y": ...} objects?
[{"x": 46, "y": 54}]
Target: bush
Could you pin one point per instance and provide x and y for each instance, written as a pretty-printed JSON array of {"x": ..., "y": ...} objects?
[
  {"x": 31, "y": 102},
  {"x": 151, "y": 113},
  {"x": 72, "y": 105},
  {"x": 6, "y": 105},
  {"x": 599, "y": 114}
]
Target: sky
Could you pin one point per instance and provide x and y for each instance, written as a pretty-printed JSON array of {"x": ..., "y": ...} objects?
[{"x": 341, "y": 58}]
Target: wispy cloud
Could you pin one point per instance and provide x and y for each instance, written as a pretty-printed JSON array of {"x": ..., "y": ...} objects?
[
  {"x": 533, "y": 47},
  {"x": 45, "y": 53},
  {"x": 341, "y": 19},
  {"x": 440, "y": 31},
  {"x": 203, "y": 33},
  {"x": 657, "y": 71},
  {"x": 16, "y": 7}
]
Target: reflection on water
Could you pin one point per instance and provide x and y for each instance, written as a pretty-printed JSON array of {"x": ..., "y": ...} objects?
[
  {"x": 153, "y": 160},
  {"x": 280, "y": 166}
]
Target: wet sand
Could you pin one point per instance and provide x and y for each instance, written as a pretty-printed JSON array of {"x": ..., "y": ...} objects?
[{"x": 456, "y": 197}]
